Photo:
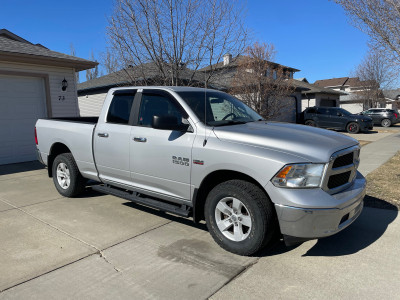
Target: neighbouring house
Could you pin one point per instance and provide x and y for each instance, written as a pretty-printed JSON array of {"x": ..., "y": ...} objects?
[
  {"x": 393, "y": 96},
  {"x": 354, "y": 99},
  {"x": 91, "y": 94},
  {"x": 225, "y": 71},
  {"x": 35, "y": 82},
  {"x": 317, "y": 96}
]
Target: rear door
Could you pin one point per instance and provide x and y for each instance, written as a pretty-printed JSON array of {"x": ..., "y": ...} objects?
[
  {"x": 160, "y": 159},
  {"x": 323, "y": 117},
  {"x": 112, "y": 139}
]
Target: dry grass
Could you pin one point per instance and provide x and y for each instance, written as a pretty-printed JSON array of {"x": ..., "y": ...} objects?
[
  {"x": 363, "y": 143},
  {"x": 383, "y": 185}
]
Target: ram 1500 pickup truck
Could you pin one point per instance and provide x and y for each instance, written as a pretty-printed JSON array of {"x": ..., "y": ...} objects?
[{"x": 204, "y": 154}]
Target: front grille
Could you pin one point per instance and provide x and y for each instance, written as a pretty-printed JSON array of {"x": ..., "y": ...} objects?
[
  {"x": 341, "y": 170},
  {"x": 344, "y": 160},
  {"x": 338, "y": 180}
]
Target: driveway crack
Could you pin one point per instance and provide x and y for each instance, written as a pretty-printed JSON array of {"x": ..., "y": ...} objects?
[{"x": 98, "y": 251}]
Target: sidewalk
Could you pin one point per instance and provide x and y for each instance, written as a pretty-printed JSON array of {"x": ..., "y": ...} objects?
[{"x": 377, "y": 153}]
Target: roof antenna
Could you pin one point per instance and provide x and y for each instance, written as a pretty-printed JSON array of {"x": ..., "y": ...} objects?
[{"x": 205, "y": 110}]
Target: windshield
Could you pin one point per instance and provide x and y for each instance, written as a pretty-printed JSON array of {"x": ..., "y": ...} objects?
[{"x": 222, "y": 109}]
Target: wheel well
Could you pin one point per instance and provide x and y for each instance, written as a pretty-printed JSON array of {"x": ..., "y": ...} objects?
[
  {"x": 56, "y": 149},
  {"x": 208, "y": 183}
]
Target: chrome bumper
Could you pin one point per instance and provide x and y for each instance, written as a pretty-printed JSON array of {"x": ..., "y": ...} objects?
[{"x": 313, "y": 223}]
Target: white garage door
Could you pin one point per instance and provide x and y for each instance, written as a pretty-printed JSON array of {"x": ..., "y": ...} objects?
[{"x": 22, "y": 102}]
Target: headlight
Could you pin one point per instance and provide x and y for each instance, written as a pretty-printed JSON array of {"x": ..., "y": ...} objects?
[{"x": 299, "y": 176}]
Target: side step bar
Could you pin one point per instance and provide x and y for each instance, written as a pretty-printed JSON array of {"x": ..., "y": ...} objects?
[{"x": 180, "y": 210}]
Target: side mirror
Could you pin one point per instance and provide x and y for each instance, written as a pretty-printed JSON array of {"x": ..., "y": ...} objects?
[{"x": 168, "y": 123}]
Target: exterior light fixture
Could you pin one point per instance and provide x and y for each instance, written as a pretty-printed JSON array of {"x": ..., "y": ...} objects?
[{"x": 64, "y": 84}]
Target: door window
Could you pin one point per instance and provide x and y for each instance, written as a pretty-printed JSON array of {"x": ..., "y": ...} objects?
[
  {"x": 157, "y": 105},
  {"x": 120, "y": 109},
  {"x": 324, "y": 111}
]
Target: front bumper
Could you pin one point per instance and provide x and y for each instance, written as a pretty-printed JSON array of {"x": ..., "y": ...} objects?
[
  {"x": 333, "y": 214},
  {"x": 365, "y": 126}
]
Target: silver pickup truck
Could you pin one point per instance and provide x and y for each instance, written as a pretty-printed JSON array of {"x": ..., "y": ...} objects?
[{"x": 204, "y": 154}]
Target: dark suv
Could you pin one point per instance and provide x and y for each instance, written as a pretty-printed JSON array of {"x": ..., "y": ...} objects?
[
  {"x": 383, "y": 116},
  {"x": 336, "y": 118}
]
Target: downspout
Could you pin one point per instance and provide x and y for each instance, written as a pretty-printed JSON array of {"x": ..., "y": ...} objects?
[{"x": 297, "y": 108}]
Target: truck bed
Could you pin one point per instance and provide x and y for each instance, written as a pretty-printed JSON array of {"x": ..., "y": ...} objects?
[{"x": 74, "y": 132}]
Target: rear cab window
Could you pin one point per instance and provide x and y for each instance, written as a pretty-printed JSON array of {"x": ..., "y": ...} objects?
[{"x": 120, "y": 108}]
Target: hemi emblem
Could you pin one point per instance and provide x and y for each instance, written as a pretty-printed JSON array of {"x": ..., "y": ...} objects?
[{"x": 198, "y": 162}]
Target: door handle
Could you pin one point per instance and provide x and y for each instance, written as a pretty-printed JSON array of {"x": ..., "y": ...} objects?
[
  {"x": 140, "y": 139},
  {"x": 100, "y": 134}
]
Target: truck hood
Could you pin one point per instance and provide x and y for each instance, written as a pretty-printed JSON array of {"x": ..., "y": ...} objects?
[{"x": 306, "y": 142}]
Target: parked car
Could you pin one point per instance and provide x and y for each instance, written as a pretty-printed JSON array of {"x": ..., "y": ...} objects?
[
  {"x": 336, "y": 118},
  {"x": 383, "y": 116},
  {"x": 205, "y": 154}
]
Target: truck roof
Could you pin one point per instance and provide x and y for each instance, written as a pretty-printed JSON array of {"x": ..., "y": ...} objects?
[{"x": 169, "y": 88}]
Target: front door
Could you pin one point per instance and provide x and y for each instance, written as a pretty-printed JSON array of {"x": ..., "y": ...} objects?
[{"x": 160, "y": 159}]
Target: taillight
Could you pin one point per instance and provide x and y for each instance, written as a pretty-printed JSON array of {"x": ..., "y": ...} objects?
[
  {"x": 395, "y": 115},
  {"x": 36, "y": 141}
]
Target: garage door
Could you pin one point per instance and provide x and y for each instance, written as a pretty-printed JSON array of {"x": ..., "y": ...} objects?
[
  {"x": 22, "y": 102},
  {"x": 329, "y": 103}
]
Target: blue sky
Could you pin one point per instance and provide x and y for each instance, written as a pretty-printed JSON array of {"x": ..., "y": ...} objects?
[{"x": 313, "y": 35}]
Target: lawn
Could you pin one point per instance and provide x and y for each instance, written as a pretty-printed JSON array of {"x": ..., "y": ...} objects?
[{"x": 383, "y": 185}]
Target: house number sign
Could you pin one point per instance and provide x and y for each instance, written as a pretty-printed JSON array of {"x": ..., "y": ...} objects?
[{"x": 61, "y": 98}]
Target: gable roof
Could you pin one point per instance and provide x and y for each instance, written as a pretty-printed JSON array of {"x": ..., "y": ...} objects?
[
  {"x": 392, "y": 94},
  {"x": 314, "y": 89},
  {"x": 235, "y": 63},
  {"x": 126, "y": 76},
  {"x": 331, "y": 82},
  {"x": 344, "y": 81},
  {"x": 16, "y": 49}
]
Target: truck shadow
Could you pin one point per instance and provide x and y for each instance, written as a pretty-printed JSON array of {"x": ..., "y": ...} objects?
[
  {"x": 20, "y": 167},
  {"x": 365, "y": 231}
]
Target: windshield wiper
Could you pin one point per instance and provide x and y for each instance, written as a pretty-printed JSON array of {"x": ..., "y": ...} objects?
[{"x": 231, "y": 122}]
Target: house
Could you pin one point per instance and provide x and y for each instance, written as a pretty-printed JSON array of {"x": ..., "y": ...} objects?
[
  {"x": 317, "y": 96},
  {"x": 356, "y": 90},
  {"x": 91, "y": 94},
  {"x": 223, "y": 79},
  {"x": 35, "y": 82}
]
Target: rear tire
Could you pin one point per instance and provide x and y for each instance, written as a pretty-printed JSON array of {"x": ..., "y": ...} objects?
[
  {"x": 310, "y": 123},
  {"x": 353, "y": 127},
  {"x": 386, "y": 123},
  {"x": 240, "y": 217},
  {"x": 66, "y": 176}
]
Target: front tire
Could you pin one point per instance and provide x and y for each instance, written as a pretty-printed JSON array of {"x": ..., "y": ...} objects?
[
  {"x": 240, "y": 217},
  {"x": 66, "y": 176},
  {"x": 386, "y": 123},
  {"x": 353, "y": 127},
  {"x": 310, "y": 123}
]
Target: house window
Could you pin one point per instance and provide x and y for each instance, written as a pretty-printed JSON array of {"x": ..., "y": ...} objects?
[{"x": 274, "y": 75}]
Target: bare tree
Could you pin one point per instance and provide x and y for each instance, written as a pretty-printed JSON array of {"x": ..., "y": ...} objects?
[
  {"x": 92, "y": 73},
  {"x": 73, "y": 53},
  {"x": 262, "y": 84},
  {"x": 375, "y": 74},
  {"x": 110, "y": 62},
  {"x": 173, "y": 39},
  {"x": 380, "y": 19}
]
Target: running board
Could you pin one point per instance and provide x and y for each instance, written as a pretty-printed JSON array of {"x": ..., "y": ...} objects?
[{"x": 180, "y": 210}]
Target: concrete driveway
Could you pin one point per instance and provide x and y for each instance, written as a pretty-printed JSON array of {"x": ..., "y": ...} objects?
[{"x": 100, "y": 246}]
